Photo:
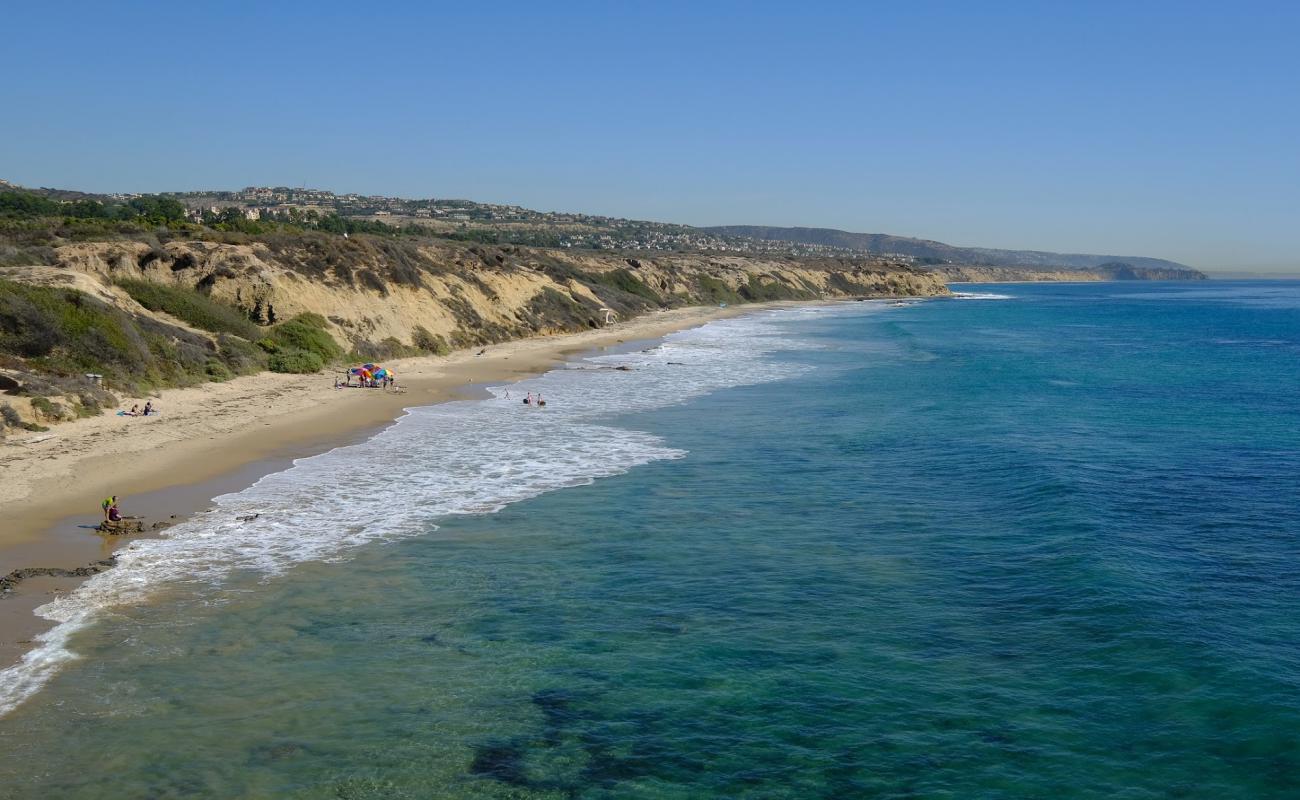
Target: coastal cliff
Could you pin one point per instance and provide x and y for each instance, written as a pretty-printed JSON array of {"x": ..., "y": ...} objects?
[
  {"x": 1106, "y": 272},
  {"x": 147, "y": 315},
  {"x": 370, "y": 289}
]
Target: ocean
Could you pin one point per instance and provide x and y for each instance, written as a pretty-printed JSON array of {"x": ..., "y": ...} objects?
[{"x": 1036, "y": 540}]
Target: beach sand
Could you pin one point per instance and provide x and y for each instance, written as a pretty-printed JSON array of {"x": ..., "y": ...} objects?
[{"x": 221, "y": 437}]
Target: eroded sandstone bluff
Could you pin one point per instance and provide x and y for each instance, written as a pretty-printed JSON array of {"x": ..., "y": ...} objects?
[{"x": 373, "y": 289}]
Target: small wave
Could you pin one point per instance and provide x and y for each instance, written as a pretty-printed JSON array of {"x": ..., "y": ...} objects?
[
  {"x": 467, "y": 457},
  {"x": 980, "y": 296}
]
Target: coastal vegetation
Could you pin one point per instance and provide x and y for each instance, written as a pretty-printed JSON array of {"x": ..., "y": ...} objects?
[
  {"x": 190, "y": 306},
  {"x": 35, "y": 219},
  {"x": 63, "y": 334},
  {"x": 300, "y": 345}
]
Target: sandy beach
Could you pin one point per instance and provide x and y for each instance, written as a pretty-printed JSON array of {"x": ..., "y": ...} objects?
[{"x": 221, "y": 437}]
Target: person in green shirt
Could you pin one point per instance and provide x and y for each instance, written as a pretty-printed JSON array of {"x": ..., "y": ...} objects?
[{"x": 108, "y": 503}]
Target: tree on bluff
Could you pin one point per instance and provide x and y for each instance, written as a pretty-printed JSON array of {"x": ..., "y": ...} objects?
[{"x": 158, "y": 210}]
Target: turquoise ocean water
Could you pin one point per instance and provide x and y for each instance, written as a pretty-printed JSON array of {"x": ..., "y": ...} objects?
[{"x": 1044, "y": 542}]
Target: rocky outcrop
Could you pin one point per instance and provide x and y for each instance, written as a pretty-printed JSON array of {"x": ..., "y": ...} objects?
[
  {"x": 121, "y": 527},
  {"x": 9, "y": 582}
]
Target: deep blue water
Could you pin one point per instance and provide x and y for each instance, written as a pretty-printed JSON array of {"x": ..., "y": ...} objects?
[{"x": 1038, "y": 546}]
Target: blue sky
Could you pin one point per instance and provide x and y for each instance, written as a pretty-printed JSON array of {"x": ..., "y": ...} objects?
[{"x": 1158, "y": 128}]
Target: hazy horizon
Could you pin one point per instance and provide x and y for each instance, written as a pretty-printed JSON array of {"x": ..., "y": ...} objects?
[{"x": 1163, "y": 131}]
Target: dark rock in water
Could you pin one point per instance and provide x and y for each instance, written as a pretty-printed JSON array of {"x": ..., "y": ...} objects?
[
  {"x": 10, "y": 581},
  {"x": 502, "y": 761},
  {"x": 555, "y": 704},
  {"x": 121, "y": 527},
  {"x": 623, "y": 368},
  {"x": 248, "y": 518}
]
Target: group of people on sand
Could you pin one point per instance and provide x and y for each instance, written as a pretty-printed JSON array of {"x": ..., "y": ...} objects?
[
  {"x": 137, "y": 412},
  {"x": 387, "y": 382},
  {"x": 111, "y": 512}
]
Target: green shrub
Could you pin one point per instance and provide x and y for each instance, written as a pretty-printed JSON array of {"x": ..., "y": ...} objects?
[
  {"x": 240, "y": 357},
  {"x": 713, "y": 290},
  {"x": 554, "y": 309},
  {"x": 192, "y": 306},
  {"x": 43, "y": 405},
  {"x": 306, "y": 332},
  {"x": 61, "y": 334},
  {"x": 390, "y": 347},
  {"x": 218, "y": 371},
  {"x": 429, "y": 342},
  {"x": 9, "y": 415},
  {"x": 295, "y": 361},
  {"x": 89, "y": 404},
  {"x": 68, "y": 332},
  {"x": 625, "y": 281},
  {"x": 756, "y": 291}
]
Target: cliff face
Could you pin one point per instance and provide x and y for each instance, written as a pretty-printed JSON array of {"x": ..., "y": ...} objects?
[
  {"x": 1142, "y": 268},
  {"x": 1117, "y": 272},
  {"x": 371, "y": 290}
]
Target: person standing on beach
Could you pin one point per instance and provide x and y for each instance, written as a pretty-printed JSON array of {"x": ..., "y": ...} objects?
[{"x": 109, "y": 502}]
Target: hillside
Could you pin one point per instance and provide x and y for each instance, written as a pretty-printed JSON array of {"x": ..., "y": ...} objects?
[
  {"x": 253, "y": 209},
  {"x": 937, "y": 253},
  {"x": 189, "y": 306}
]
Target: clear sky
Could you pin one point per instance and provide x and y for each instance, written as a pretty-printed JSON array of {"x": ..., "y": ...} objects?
[{"x": 1167, "y": 129}]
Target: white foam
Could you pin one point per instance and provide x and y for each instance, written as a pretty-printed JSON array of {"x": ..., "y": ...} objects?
[
  {"x": 980, "y": 296},
  {"x": 465, "y": 457}
]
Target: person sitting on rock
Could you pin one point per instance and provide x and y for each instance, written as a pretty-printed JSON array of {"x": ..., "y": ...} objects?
[{"x": 113, "y": 514}]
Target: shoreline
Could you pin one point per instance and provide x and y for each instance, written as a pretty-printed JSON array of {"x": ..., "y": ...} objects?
[{"x": 220, "y": 438}]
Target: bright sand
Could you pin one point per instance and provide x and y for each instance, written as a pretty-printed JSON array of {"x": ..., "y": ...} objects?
[{"x": 224, "y": 436}]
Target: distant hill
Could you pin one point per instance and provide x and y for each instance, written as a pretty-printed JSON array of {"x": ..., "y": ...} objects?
[
  {"x": 934, "y": 253},
  {"x": 255, "y": 210}
]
